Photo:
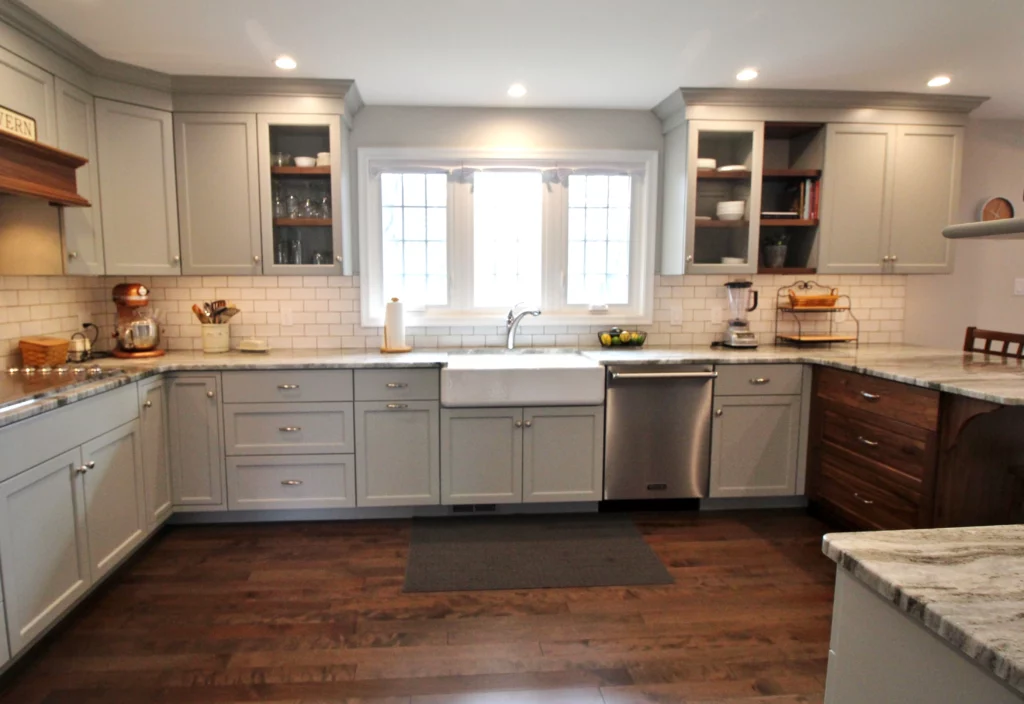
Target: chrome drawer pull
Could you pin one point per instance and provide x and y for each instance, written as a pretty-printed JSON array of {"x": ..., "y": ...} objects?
[
  {"x": 860, "y": 498},
  {"x": 290, "y": 429},
  {"x": 664, "y": 375},
  {"x": 759, "y": 380},
  {"x": 870, "y": 397},
  {"x": 396, "y": 406},
  {"x": 291, "y": 482},
  {"x": 287, "y": 387},
  {"x": 864, "y": 441},
  {"x": 397, "y": 385}
]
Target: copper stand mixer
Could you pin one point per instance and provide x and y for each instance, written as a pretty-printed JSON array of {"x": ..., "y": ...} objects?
[{"x": 136, "y": 331}]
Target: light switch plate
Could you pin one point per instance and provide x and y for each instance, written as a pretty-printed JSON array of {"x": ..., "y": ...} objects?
[{"x": 1018, "y": 287}]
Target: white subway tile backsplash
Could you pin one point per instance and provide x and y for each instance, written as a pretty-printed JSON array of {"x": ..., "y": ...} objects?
[{"x": 322, "y": 312}]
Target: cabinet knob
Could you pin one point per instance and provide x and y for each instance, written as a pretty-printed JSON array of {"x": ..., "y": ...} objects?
[
  {"x": 256, "y": 258},
  {"x": 885, "y": 258},
  {"x": 147, "y": 404},
  {"x": 892, "y": 258},
  {"x": 528, "y": 423},
  {"x": 176, "y": 259},
  {"x": 72, "y": 255},
  {"x": 338, "y": 259},
  {"x": 519, "y": 424},
  {"x": 719, "y": 412},
  {"x": 291, "y": 482},
  {"x": 85, "y": 467},
  {"x": 210, "y": 394},
  {"x": 689, "y": 259}
]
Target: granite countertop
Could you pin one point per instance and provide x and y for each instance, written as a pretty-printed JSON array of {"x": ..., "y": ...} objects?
[
  {"x": 966, "y": 585},
  {"x": 974, "y": 375}
]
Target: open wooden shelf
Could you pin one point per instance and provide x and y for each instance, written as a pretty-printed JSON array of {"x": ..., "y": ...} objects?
[
  {"x": 300, "y": 170},
  {"x": 721, "y": 223},
  {"x": 788, "y": 223},
  {"x": 712, "y": 175},
  {"x": 302, "y": 222},
  {"x": 791, "y": 173},
  {"x": 788, "y": 270}
]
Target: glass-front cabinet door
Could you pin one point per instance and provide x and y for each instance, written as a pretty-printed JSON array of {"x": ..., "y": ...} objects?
[
  {"x": 300, "y": 160},
  {"x": 724, "y": 163}
]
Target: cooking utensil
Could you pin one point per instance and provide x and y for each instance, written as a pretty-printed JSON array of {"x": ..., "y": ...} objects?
[
  {"x": 200, "y": 314},
  {"x": 227, "y": 314}
]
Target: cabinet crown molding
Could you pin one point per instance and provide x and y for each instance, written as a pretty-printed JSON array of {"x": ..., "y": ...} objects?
[{"x": 673, "y": 108}]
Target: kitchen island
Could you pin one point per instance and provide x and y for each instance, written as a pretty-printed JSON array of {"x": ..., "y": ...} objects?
[{"x": 927, "y": 616}]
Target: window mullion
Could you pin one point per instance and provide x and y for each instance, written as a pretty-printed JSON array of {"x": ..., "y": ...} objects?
[
  {"x": 461, "y": 240},
  {"x": 555, "y": 248}
]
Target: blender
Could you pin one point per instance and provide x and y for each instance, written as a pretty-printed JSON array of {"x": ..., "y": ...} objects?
[{"x": 738, "y": 333}]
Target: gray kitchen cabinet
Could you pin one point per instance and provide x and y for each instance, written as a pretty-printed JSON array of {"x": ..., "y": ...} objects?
[
  {"x": 856, "y": 198},
  {"x": 44, "y": 552},
  {"x": 29, "y": 90},
  {"x": 156, "y": 468},
  {"x": 755, "y": 442},
  {"x": 139, "y": 205},
  {"x": 82, "y": 227},
  {"x": 887, "y": 192},
  {"x": 563, "y": 454},
  {"x": 481, "y": 456},
  {"x": 288, "y": 428},
  {"x": 218, "y": 193},
  {"x": 195, "y": 439},
  {"x": 926, "y": 197},
  {"x": 397, "y": 453},
  {"x": 302, "y": 481},
  {"x": 115, "y": 500}
]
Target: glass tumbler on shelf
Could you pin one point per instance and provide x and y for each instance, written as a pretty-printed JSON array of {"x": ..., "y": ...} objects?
[
  {"x": 292, "y": 204},
  {"x": 280, "y": 208},
  {"x": 297, "y": 250},
  {"x": 281, "y": 251},
  {"x": 310, "y": 206}
]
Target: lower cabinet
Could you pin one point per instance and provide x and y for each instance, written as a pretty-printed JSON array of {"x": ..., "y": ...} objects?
[
  {"x": 156, "y": 468},
  {"x": 397, "y": 453},
  {"x": 196, "y": 442},
  {"x": 44, "y": 550},
  {"x": 755, "y": 446},
  {"x": 300, "y": 481},
  {"x": 64, "y": 524},
  {"x": 516, "y": 455}
]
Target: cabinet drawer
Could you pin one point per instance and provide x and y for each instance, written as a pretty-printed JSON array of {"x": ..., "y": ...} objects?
[
  {"x": 861, "y": 502},
  {"x": 758, "y": 379},
  {"x": 277, "y": 429},
  {"x": 310, "y": 481},
  {"x": 904, "y": 448},
  {"x": 401, "y": 384},
  {"x": 288, "y": 386},
  {"x": 901, "y": 402}
]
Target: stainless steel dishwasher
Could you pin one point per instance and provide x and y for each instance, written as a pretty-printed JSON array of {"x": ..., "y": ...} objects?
[{"x": 658, "y": 431}]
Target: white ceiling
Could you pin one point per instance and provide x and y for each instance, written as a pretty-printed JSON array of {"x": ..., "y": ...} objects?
[{"x": 570, "y": 53}]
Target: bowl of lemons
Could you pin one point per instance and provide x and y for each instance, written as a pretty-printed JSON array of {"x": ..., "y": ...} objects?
[{"x": 619, "y": 337}]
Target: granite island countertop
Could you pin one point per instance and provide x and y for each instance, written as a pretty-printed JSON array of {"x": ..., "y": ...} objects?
[
  {"x": 974, "y": 375},
  {"x": 966, "y": 585}
]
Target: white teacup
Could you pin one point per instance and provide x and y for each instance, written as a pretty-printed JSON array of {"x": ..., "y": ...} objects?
[{"x": 323, "y": 158}]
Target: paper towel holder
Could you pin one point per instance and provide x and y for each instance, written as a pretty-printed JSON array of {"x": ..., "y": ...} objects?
[{"x": 388, "y": 348}]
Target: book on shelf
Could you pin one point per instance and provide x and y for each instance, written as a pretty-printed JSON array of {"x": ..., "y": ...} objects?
[{"x": 806, "y": 198}]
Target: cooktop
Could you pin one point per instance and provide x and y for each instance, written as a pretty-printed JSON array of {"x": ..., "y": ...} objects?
[{"x": 25, "y": 384}]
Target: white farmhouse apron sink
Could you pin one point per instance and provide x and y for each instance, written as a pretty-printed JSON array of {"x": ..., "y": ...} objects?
[{"x": 521, "y": 378}]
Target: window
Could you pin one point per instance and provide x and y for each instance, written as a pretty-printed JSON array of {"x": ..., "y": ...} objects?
[{"x": 461, "y": 238}]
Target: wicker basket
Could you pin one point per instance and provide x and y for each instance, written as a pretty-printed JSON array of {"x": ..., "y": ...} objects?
[
  {"x": 43, "y": 351},
  {"x": 813, "y": 300}
]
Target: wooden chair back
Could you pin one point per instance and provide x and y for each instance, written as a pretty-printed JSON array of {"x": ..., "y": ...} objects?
[{"x": 994, "y": 342}]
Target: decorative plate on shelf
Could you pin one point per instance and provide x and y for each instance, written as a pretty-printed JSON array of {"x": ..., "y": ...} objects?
[{"x": 996, "y": 208}]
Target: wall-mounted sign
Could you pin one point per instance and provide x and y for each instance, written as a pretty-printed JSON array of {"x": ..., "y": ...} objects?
[{"x": 17, "y": 124}]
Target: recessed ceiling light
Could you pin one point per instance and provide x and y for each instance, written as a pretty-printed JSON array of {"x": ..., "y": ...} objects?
[
  {"x": 939, "y": 81},
  {"x": 747, "y": 74},
  {"x": 516, "y": 90},
  {"x": 285, "y": 63}
]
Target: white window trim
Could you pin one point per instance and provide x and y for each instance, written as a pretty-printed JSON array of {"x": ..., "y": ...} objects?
[{"x": 642, "y": 241}]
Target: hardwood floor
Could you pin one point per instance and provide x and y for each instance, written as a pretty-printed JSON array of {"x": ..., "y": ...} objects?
[{"x": 314, "y": 612}]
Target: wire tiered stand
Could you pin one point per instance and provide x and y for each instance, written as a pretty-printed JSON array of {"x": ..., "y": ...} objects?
[{"x": 802, "y": 297}]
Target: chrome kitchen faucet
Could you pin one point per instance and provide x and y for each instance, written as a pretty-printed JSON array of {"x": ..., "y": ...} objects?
[{"x": 512, "y": 323}]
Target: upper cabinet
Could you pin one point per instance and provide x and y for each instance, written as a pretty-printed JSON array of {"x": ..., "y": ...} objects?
[
  {"x": 301, "y": 205},
  {"x": 76, "y": 133},
  {"x": 889, "y": 190},
  {"x": 29, "y": 90},
  {"x": 139, "y": 206},
  {"x": 218, "y": 193}
]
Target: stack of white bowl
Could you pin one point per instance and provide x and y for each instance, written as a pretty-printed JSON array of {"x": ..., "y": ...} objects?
[{"x": 731, "y": 209}]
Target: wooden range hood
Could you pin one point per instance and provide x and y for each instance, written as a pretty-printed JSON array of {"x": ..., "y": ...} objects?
[{"x": 37, "y": 171}]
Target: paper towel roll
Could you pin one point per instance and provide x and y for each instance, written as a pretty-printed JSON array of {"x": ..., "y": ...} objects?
[{"x": 394, "y": 325}]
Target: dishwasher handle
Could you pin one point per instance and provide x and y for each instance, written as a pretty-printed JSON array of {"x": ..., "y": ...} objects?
[{"x": 616, "y": 376}]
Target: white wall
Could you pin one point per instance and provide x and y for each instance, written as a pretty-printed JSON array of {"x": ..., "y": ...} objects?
[{"x": 980, "y": 290}]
